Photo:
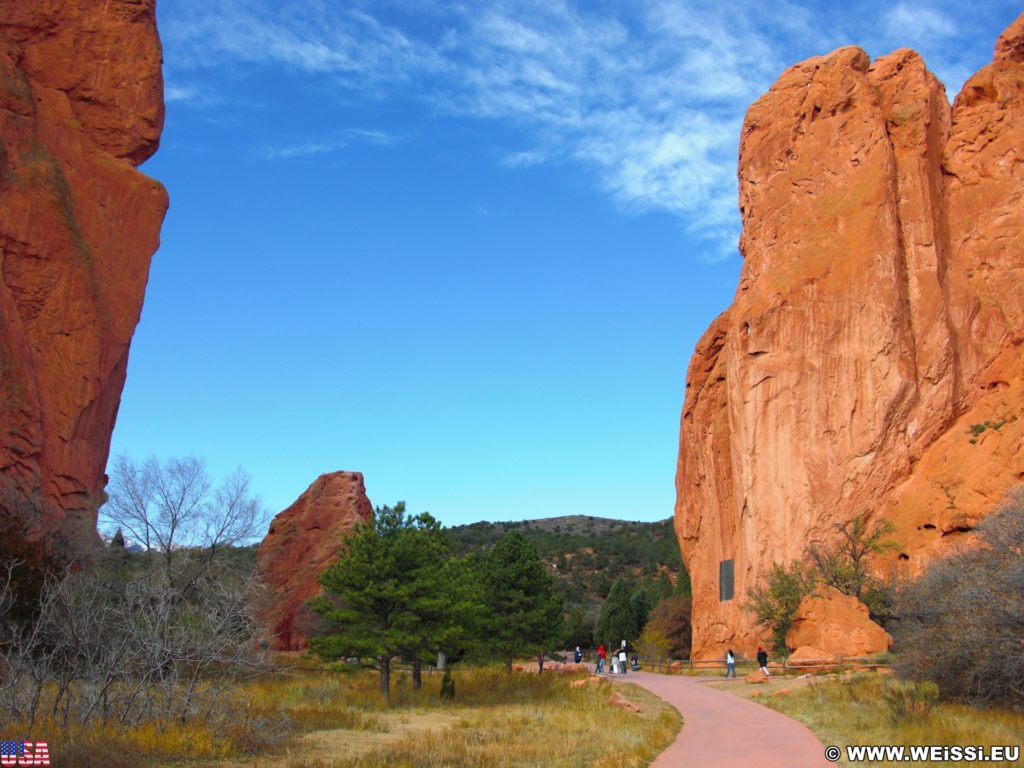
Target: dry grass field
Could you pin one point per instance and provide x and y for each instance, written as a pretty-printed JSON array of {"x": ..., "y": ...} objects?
[
  {"x": 871, "y": 708},
  {"x": 330, "y": 719},
  {"x": 496, "y": 720}
]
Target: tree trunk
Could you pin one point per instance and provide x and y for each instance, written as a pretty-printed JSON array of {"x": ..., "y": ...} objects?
[
  {"x": 385, "y": 677},
  {"x": 508, "y": 664},
  {"x": 442, "y": 661},
  {"x": 417, "y": 680}
]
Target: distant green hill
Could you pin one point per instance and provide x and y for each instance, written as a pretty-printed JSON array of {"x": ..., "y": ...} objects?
[{"x": 587, "y": 554}]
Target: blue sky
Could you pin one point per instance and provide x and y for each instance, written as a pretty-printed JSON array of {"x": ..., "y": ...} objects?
[{"x": 465, "y": 248}]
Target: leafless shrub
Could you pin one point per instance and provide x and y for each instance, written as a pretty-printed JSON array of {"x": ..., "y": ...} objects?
[
  {"x": 961, "y": 625},
  {"x": 100, "y": 651}
]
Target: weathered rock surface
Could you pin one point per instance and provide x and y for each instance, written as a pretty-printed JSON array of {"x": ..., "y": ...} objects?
[
  {"x": 81, "y": 105},
  {"x": 838, "y": 624},
  {"x": 871, "y": 361},
  {"x": 302, "y": 541}
]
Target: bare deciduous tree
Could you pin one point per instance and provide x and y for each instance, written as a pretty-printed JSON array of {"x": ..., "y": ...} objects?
[
  {"x": 170, "y": 504},
  {"x": 235, "y": 515}
]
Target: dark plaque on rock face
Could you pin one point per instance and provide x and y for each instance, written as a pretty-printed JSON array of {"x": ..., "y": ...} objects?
[{"x": 725, "y": 580}]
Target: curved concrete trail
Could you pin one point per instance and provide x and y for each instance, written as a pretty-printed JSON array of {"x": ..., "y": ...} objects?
[{"x": 725, "y": 731}]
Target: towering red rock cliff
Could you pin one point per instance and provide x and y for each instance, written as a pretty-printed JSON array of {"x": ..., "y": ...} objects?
[
  {"x": 81, "y": 105},
  {"x": 302, "y": 541},
  {"x": 871, "y": 362}
]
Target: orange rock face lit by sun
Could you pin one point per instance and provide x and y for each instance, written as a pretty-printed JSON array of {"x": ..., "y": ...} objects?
[{"x": 871, "y": 361}]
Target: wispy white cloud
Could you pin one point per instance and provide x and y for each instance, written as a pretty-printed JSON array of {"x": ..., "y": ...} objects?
[
  {"x": 650, "y": 101},
  {"x": 524, "y": 159},
  {"x": 325, "y": 146},
  {"x": 192, "y": 95},
  {"x": 649, "y": 105},
  {"x": 917, "y": 23}
]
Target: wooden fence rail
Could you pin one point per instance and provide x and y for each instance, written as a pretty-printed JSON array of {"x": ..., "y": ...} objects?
[
  {"x": 841, "y": 663},
  {"x": 688, "y": 666}
]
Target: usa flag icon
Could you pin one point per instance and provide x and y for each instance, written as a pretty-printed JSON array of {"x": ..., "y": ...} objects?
[{"x": 24, "y": 753}]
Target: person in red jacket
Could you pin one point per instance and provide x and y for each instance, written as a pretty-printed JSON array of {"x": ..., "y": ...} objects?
[{"x": 601, "y": 655}]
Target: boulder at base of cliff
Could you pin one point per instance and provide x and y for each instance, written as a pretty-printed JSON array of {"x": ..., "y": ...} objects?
[
  {"x": 838, "y": 624},
  {"x": 808, "y": 657}
]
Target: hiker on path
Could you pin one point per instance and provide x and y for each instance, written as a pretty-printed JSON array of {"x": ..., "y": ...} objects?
[
  {"x": 762, "y": 660},
  {"x": 601, "y": 654},
  {"x": 730, "y": 664},
  {"x": 540, "y": 663},
  {"x": 578, "y": 656},
  {"x": 622, "y": 659}
]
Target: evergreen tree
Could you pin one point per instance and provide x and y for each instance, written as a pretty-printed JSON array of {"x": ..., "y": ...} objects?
[
  {"x": 646, "y": 595},
  {"x": 522, "y": 613},
  {"x": 579, "y": 629},
  {"x": 445, "y": 617},
  {"x": 617, "y": 620},
  {"x": 386, "y": 593},
  {"x": 683, "y": 586}
]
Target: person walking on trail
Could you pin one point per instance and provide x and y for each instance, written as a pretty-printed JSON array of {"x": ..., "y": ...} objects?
[
  {"x": 578, "y": 656},
  {"x": 730, "y": 664},
  {"x": 601, "y": 654},
  {"x": 762, "y": 660},
  {"x": 540, "y": 663},
  {"x": 622, "y": 659}
]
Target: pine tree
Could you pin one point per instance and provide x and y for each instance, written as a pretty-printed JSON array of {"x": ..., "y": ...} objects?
[
  {"x": 386, "y": 595},
  {"x": 522, "y": 613},
  {"x": 443, "y": 614},
  {"x": 617, "y": 620}
]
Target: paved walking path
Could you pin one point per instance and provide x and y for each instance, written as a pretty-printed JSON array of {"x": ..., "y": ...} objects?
[{"x": 725, "y": 731}]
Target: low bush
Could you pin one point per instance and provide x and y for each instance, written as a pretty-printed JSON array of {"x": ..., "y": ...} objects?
[
  {"x": 961, "y": 625},
  {"x": 907, "y": 698}
]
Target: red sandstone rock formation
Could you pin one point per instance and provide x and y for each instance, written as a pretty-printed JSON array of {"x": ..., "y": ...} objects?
[
  {"x": 837, "y": 624},
  {"x": 81, "y": 105},
  {"x": 876, "y": 329},
  {"x": 302, "y": 541}
]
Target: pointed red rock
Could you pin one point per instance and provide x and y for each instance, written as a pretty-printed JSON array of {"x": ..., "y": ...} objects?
[{"x": 302, "y": 542}]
